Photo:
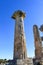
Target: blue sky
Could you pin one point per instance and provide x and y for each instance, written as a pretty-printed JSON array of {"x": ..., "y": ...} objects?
[{"x": 34, "y": 15}]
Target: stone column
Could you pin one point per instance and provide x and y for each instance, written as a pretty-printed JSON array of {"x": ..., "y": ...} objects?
[
  {"x": 19, "y": 39},
  {"x": 37, "y": 41},
  {"x": 41, "y": 29}
]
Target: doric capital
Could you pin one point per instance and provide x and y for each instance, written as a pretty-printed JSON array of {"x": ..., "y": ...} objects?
[{"x": 18, "y": 13}]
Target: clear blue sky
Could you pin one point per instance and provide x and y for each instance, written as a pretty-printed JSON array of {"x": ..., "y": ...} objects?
[{"x": 34, "y": 15}]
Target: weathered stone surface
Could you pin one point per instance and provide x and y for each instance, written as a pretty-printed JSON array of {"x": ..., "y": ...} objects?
[
  {"x": 27, "y": 61},
  {"x": 19, "y": 41},
  {"x": 38, "y": 43},
  {"x": 20, "y": 52}
]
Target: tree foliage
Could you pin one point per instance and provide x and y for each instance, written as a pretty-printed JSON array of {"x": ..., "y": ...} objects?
[{"x": 3, "y": 61}]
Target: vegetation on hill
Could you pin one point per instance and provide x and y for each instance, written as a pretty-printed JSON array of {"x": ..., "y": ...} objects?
[{"x": 3, "y": 61}]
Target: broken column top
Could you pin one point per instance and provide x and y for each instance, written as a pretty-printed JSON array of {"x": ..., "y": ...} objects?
[
  {"x": 41, "y": 28},
  {"x": 42, "y": 38},
  {"x": 18, "y": 13}
]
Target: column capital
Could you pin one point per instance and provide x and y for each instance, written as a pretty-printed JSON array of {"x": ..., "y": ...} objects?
[{"x": 18, "y": 13}]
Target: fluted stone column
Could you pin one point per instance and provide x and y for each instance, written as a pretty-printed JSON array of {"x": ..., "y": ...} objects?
[
  {"x": 19, "y": 39},
  {"x": 41, "y": 29},
  {"x": 37, "y": 41}
]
